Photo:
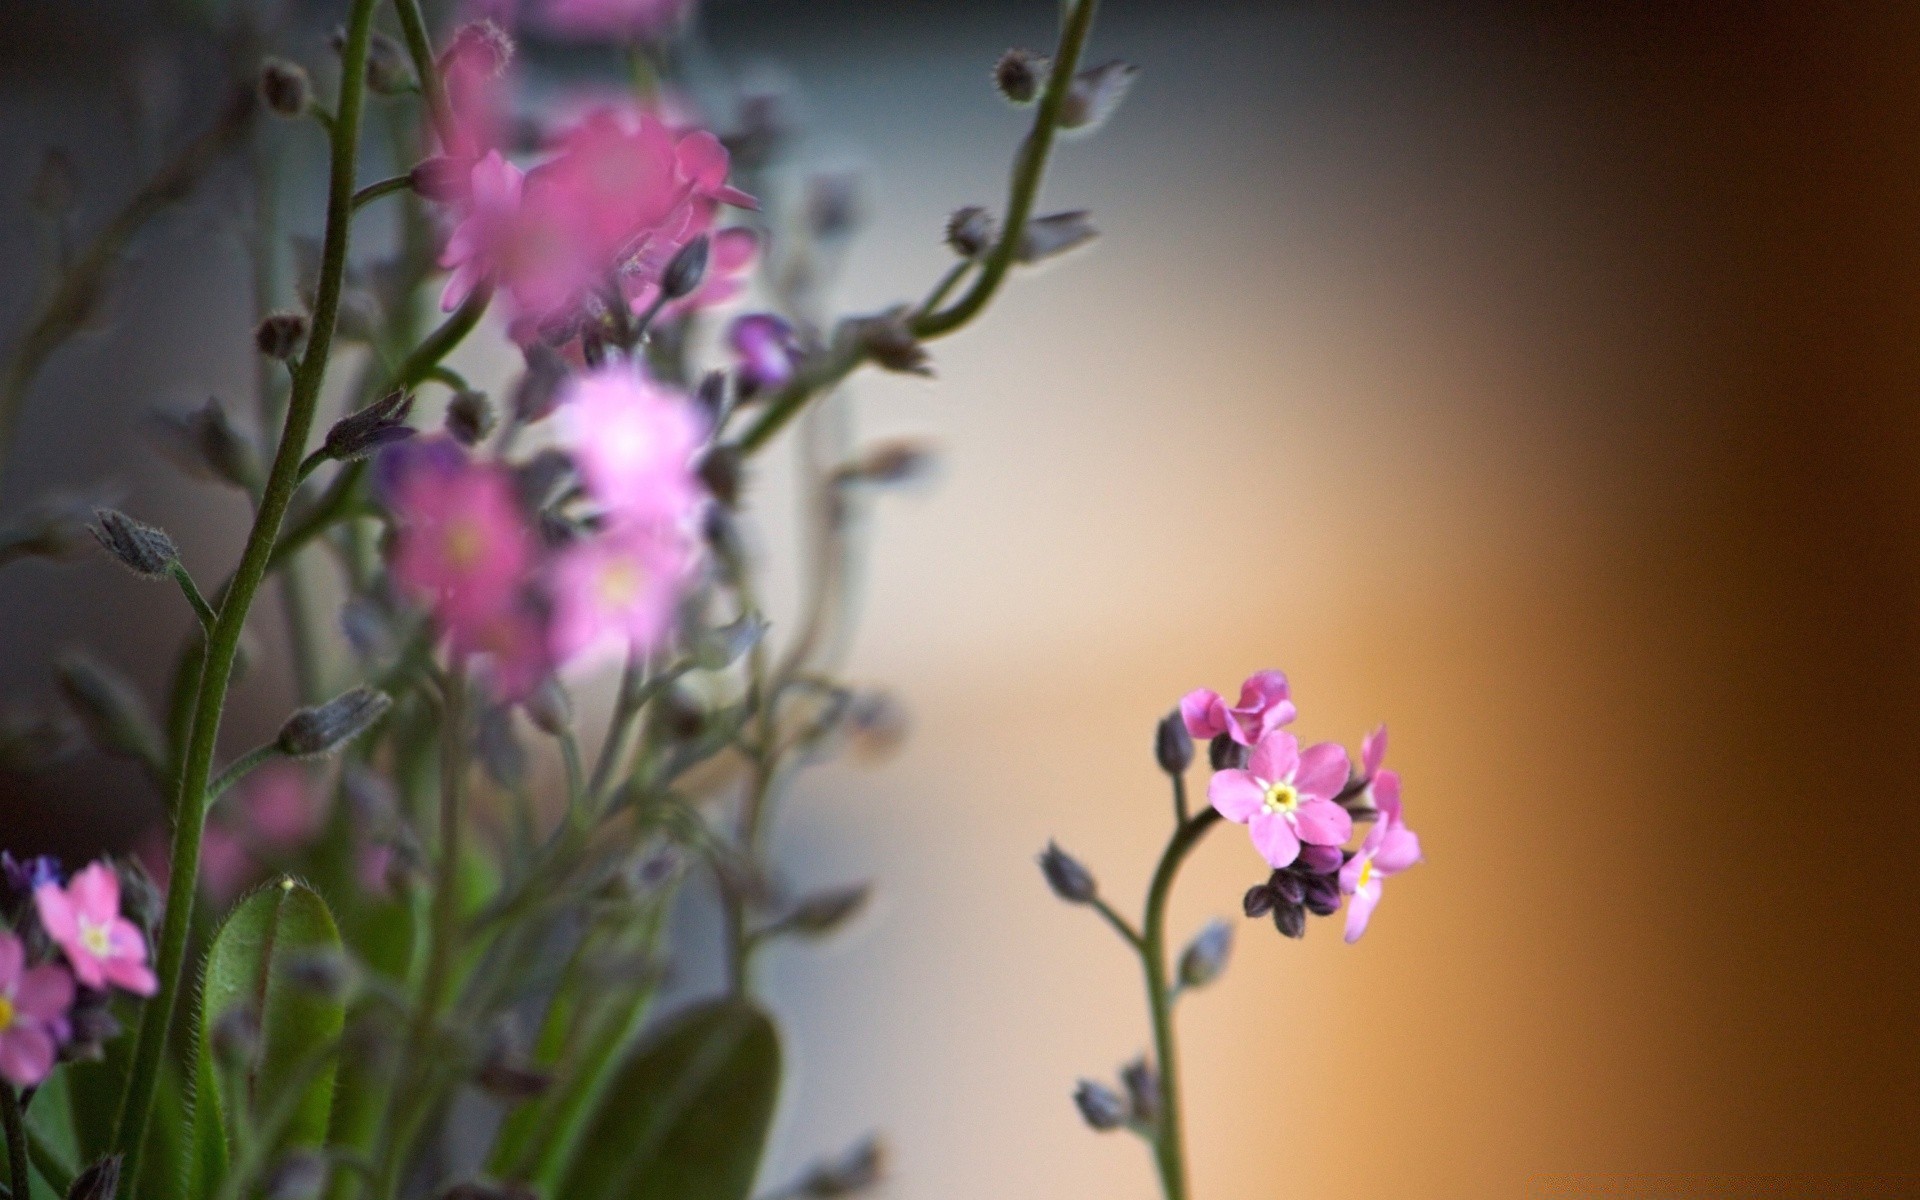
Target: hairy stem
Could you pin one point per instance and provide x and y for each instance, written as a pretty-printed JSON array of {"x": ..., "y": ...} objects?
[
  {"x": 156, "y": 1021},
  {"x": 1169, "y": 1151}
]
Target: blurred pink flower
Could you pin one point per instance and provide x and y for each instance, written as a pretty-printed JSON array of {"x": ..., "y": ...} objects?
[
  {"x": 473, "y": 74},
  {"x": 764, "y": 351},
  {"x": 1285, "y": 797},
  {"x": 1390, "y": 848},
  {"x": 462, "y": 545},
  {"x": 33, "y": 1009},
  {"x": 617, "y": 591},
  {"x": 84, "y": 919},
  {"x": 487, "y": 240},
  {"x": 614, "y": 20},
  {"x": 634, "y": 441},
  {"x": 1264, "y": 706},
  {"x": 512, "y": 650},
  {"x": 278, "y": 806}
]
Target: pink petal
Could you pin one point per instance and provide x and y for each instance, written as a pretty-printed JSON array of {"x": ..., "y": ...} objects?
[
  {"x": 1273, "y": 837},
  {"x": 1204, "y": 712},
  {"x": 12, "y": 957},
  {"x": 1399, "y": 849},
  {"x": 1350, "y": 872},
  {"x": 1276, "y": 757},
  {"x": 26, "y": 1055},
  {"x": 1373, "y": 751},
  {"x": 96, "y": 893},
  {"x": 44, "y": 992},
  {"x": 1385, "y": 791},
  {"x": 134, "y": 977},
  {"x": 1321, "y": 860},
  {"x": 1236, "y": 794},
  {"x": 56, "y": 913},
  {"x": 1322, "y": 771},
  {"x": 1262, "y": 690},
  {"x": 1323, "y": 822},
  {"x": 703, "y": 159},
  {"x": 734, "y": 249},
  {"x": 1360, "y": 910}
]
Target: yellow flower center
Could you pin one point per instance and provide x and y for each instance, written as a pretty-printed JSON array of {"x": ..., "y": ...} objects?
[
  {"x": 97, "y": 939},
  {"x": 620, "y": 584},
  {"x": 466, "y": 542},
  {"x": 6, "y": 1012},
  {"x": 1282, "y": 797}
]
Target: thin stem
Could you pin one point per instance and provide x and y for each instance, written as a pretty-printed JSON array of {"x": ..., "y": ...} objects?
[
  {"x": 47, "y": 1161},
  {"x": 1168, "y": 1149},
  {"x": 156, "y": 1021},
  {"x": 413, "y": 29},
  {"x": 201, "y": 608},
  {"x": 1120, "y": 924},
  {"x": 384, "y": 187},
  {"x": 1180, "y": 798},
  {"x": 633, "y": 696},
  {"x": 446, "y": 884},
  {"x": 16, "y": 1140},
  {"x": 240, "y": 768}
]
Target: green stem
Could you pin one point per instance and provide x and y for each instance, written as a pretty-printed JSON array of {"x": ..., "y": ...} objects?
[
  {"x": 633, "y": 696},
  {"x": 156, "y": 1021},
  {"x": 1169, "y": 1152},
  {"x": 240, "y": 769},
  {"x": 201, "y": 608},
  {"x": 384, "y": 187},
  {"x": 413, "y": 29},
  {"x": 446, "y": 884},
  {"x": 16, "y": 1140}
]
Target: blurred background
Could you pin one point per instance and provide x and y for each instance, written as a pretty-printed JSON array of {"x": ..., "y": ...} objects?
[{"x": 1537, "y": 379}]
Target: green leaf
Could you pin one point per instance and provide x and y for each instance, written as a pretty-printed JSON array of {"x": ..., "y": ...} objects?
[
  {"x": 288, "y": 1091},
  {"x": 687, "y": 1116}
]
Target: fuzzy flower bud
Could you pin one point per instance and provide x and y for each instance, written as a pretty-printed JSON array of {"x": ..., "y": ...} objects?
[
  {"x": 360, "y": 433},
  {"x": 1019, "y": 74},
  {"x": 1143, "y": 1089},
  {"x": 1172, "y": 744},
  {"x": 279, "y": 334},
  {"x": 285, "y": 88},
  {"x": 686, "y": 268},
  {"x": 1206, "y": 956},
  {"x": 142, "y": 549},
  {"x": 470, "y": 417},
  {"x": 1069, "y": 880},
  {"x": 441, "y": 179},
  {"x": 971, "y": 231},
  {"x": 720, "y": 470},
  {"x": 98, "y": 1182},
  {"x": 890, "y": 344},
  {"x": 1100, "y": 1106},
  {"x": 1225, "y": 754},
  {"x": 324, "y": 728},
  {"x": 859, "y": 1168},
  {"x": 549, "y": 708}
]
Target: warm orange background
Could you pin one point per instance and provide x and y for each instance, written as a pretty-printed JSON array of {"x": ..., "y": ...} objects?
[{"x": 1541, "y": 382}]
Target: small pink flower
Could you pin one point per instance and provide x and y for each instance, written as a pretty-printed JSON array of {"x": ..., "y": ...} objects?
[
  {"x": 765, "y": 351},
  {"x": 1390, "y": 848},
  {"x": 463, "y": 546},
  {"x": 615, "y": 20},
  {"x": 1285, "y": 797},
  {"x": 617, "y": 591},
  {"x": 634, "y": 441},
  {"x": 1263, "y": 707},
  {"x": 102, "y": 946},
  {"x": 33, "y": 1010}
]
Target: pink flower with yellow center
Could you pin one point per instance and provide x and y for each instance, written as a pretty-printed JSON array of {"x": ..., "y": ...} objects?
[
  {"x": 1390, "y": 848},
  {"x": 616, "y": 592},
  {"x": 33, "y": 1009},
  {"x": 1285, "y": 797},
  {"x": 84, "y": 919},
  {"x": 634, "y": 441},
  {"x": 1264, "y": 706},
  {"x": 462, "y": 547}
]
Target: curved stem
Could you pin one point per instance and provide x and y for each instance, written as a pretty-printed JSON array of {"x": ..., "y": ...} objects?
[
  {"x": 156, "y": 1021},
  {"x": 239, "y": 770},
  {"x": 1169, "y": 1151},
  {"x": 384, "y": 187},
  {"x": 413, "y": 28}
]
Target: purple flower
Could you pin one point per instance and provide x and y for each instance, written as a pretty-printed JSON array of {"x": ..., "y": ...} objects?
[
  {"x": 1264, "y": 706},
  {"x": 764, "y": 347},
  {"x": 1285, "y": 797}
]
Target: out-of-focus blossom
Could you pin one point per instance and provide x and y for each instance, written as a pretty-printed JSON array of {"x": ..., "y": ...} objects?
[
  {"x": 613, "y": 20},
  {"x": 765, "y": 351},
  {"x": 1390, "y": 848},
  {"x": 488, "y": 240},
  {"x": 1285, "y": 796},
  {"x": 278, "y": 806},
  {"x": 473, "y": 75},
  {"x": 226, "y": 865},
  {"x": 513, "y": 652},
  {"x": 463, "y": 546},
  {"x": 33, "y": 1011},
  {"x": 1264, "y": 706},
  {"x": 634, "y": 442},
  {"x": 84, "y": 919},
  {"x": 617, "y": 591}
]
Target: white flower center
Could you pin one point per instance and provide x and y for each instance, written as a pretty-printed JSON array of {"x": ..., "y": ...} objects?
[
  {"x": 1282, "y": 797},
  {"x": 98, "y": 939}
]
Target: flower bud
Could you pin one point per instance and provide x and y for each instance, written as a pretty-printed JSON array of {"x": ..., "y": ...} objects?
[
  {"x": 300, "y": 1175},
  {"x": 324, "y": 728},
  {"x": 388, "y": 71},
  {"x": 480, "y": 46},
  {"x": 721, "y": 469},
  {"x": 1069, "y": 880},
  {"x": 140, "y": 898},
  {"x": 470, "y": 418},
  {"x": 1019, "y": 75},
  {"x": 285, "y": 88},
  {"x": 235, "y": 1036},
  {"x": 823, "y": 912},
  {"x": 859, "y": 1168},
  {"x": 899, "y": 461},
  {"x": 971, "y": 231},
  {"x": 1095, "y": 93},
  {"x": 1291, "y": 920},
  {"x": 538, "y": 390},
  {"x": 1054, "y": 234},
  {"x": 142, "y": 549},
  {"x": 549, "y": 708},
  {"x": 279, "y": 334},
  {"x": 1259, "y": 900},
  {"x": 90, "y": 1026},
  {"x": 725, "y": 645},
  {"x": 115, "y": 716},
  {"x": 686, "y": 268},
  {"x": 365, "y": 430},
  {"x": 1172, "y": 744},
  {"x": 1206, "y": 955},
  {"x": 1225, "y": 754},
  {"x": 1100, "y": 1106},
  {"x": 890, "y": 344},
  {"x": 99, "y": 1181},
  {"x": 498, "y": 747},
  {"x": 1322, "y": 895},
  {"x": 1143, "y": 1089},
  {"x": 441, "y": 179},
  {"x": 764, "y": 347}
]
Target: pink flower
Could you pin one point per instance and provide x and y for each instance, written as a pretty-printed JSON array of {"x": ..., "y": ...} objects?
[
  {"x": 634, "y": 441},
  {"x": 473, "y": 75},
  {"x": 1263, "y": 707},
  {"x": 1390, "y": 848},
  {"x": 463, "y": 546},
  {"x": 84, "y": 919},
  {"x": 1285, "y": 797},
  {"x": 488, "y": 238},
  {"x": 764, "y": 348},
  {"x": 33, "y": 1010},
  {"x": 279, "y": 808},
  {"x": 617, "y": 591},
  {"x": 615, "y": 20}
]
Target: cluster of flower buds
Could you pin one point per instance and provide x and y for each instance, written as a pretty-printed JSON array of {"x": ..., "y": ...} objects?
[{"x": 66, "y": 947}]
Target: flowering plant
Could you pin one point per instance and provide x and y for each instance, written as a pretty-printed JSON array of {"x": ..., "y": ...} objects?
[{"x": 384, "y": 954}]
